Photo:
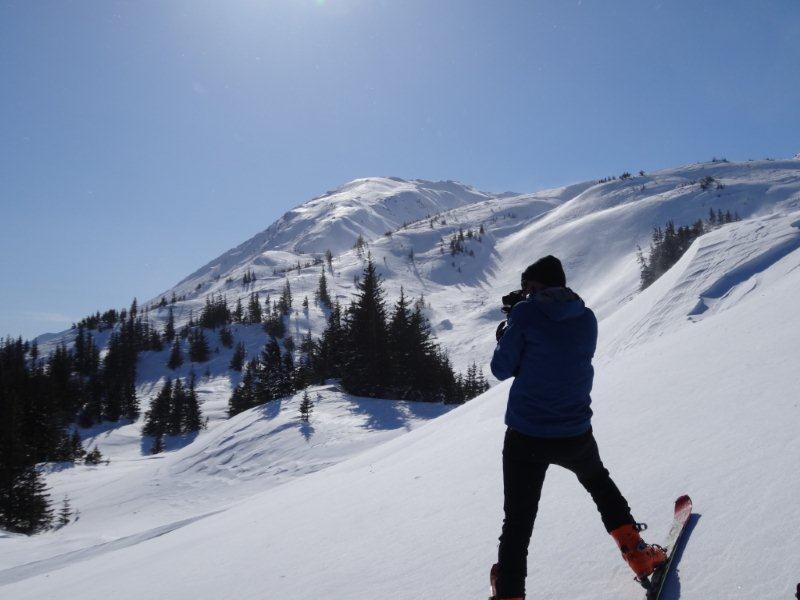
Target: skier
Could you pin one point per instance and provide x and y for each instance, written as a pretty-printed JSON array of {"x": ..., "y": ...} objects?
[{"x": 547, "y": 345}]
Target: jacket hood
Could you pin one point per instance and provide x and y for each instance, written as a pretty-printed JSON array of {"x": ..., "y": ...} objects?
[{"x": 559, "y": 303}]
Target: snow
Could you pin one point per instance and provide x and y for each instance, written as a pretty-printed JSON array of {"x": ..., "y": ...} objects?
[
  {"x": 235, "y": 458},
  {"x": 695, "y": 393}
]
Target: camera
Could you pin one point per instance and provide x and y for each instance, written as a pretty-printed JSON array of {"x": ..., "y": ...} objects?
[{"x": 509, "y": 300}]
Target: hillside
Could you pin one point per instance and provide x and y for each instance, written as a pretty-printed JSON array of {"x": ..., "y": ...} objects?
[
  {"x": 702, "y": 404},
  {"x": 694, "y": 394}
]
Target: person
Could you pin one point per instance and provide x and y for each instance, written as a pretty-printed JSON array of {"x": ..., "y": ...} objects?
[{"x": 547, "y": 345}]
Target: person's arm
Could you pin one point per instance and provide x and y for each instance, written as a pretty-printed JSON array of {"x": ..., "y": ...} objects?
[{"x": 508, "y": 353}]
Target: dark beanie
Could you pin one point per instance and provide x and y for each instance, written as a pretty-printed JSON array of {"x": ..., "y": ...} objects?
[{"x": 547, "y": 271}]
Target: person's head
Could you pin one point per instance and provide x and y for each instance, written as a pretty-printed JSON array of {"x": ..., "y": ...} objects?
[{"x": 544, "y": 273}]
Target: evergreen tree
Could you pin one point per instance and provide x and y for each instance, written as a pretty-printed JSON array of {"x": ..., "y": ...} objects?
[
  {"x": 238, "y": 312},
  {"x": 94, "y": 457},
  {"x": 192, "y": 418},
  {"x": 169, "y": 328},
  {"x": 157, "y": 417},
  {"x": 177, "y": 409},
  {"x": 119, "y": 373},
  {"x": 175, "y": 355},
  {"x": 198, "y": 346},
  {"x": 329, "y": 355},
  {"x": 401, "y": 348},
  {"x": 274, "y": 324},
  {"x": 366, "y": 353},
  {"x": 24, "y": 501},
  {"x": 244, "y": 394},
  {"x": 285, "y": 301},
  {"x": 304, "y": 374},
  {"x": 238, "y": 358},
  {"x": 215, "y": 312},
  {"x": 306, "y": 407},
  {"x": 269, "y": 381},
  {"x": 322, "y": 296},
  {"x": 254, "y": 314},
  {"x": 286, "y": 375}
]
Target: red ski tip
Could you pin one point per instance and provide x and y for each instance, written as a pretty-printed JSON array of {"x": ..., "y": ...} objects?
[{"x": 683, "y": 506}]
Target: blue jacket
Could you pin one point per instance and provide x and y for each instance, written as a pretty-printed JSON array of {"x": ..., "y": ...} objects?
[{"x": 548, "y": 347}]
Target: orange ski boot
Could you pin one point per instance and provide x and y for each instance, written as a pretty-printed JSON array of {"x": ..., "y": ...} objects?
[{"x": 641, "y": 557}]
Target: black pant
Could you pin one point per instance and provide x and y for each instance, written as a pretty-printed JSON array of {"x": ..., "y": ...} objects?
[{"x": 525, "y": 461}]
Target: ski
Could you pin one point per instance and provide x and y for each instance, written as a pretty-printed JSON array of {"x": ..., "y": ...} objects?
[{"x": 655, "y": 583}]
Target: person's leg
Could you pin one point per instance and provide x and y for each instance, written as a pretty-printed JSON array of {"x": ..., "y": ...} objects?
[
  {"x": 523, "y": 477},
  {"x": 584, "y": 461}
]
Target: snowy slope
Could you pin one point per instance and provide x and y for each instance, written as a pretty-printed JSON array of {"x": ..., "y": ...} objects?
[
  {"x": 702, "y": 405},
  {"x": 368, "y": 207},
  {"x": 699, "y": 364},
  {"x": 232, "y": 460}
]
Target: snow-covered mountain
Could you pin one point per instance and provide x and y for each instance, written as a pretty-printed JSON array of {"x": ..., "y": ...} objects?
[
  {"x": 595, "y": 228},
  {"x": 695, "y": 393}
]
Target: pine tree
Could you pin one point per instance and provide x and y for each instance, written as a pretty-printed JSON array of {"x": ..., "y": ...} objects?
[
  {"x": 198, "y": 346},
  {"x": 286, "y": 375},
  {"x": 119, "y": 372},
  {"x": 401, "y": 349},
  {"x": 285, "y": 301},
  {"x": 366, "y": 353},
  {"x": 274, "y": 324},
  {"x": 254, "y": 314},
  {"x": 322, "y": 296},
  {"x": 93, "y": 457},
  {"x": 305, "y": 306},
  {"x": 268, "y": 377},
  {"x": 238, "y": 312},
  {"x": 192, "y": 418},
  {"x": 329, "y": 355},
  {"x": 329, "y": 260},
  {"x": 238, "y": 358},
  {"x": 157, "y": 417},
  {"x": 175, "y": 355},
  {"x": 24, "y": 501},
  {"x": 244, "y": 394},
  {"x": 306, "y": 407},
  {"x": 304, "y": 374},
  {"x": 169, "y": 328},
  {"x": 177, "y": 409}
]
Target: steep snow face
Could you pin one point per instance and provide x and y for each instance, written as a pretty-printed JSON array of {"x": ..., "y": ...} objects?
[
  {"x": 703, "y": 403},
  {"x": 364, "y": 207}
]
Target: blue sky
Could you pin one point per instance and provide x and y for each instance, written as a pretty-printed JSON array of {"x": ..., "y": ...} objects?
[{"x": 142, "y": 139}]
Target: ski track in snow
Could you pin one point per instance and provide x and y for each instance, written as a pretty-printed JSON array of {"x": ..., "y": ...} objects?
[{"x": 40, "y": 567}]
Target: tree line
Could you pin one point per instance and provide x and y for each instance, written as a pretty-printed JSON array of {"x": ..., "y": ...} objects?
[
  {"x": 667, "y": 245},
  {"x": 373, "y": 351}
]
